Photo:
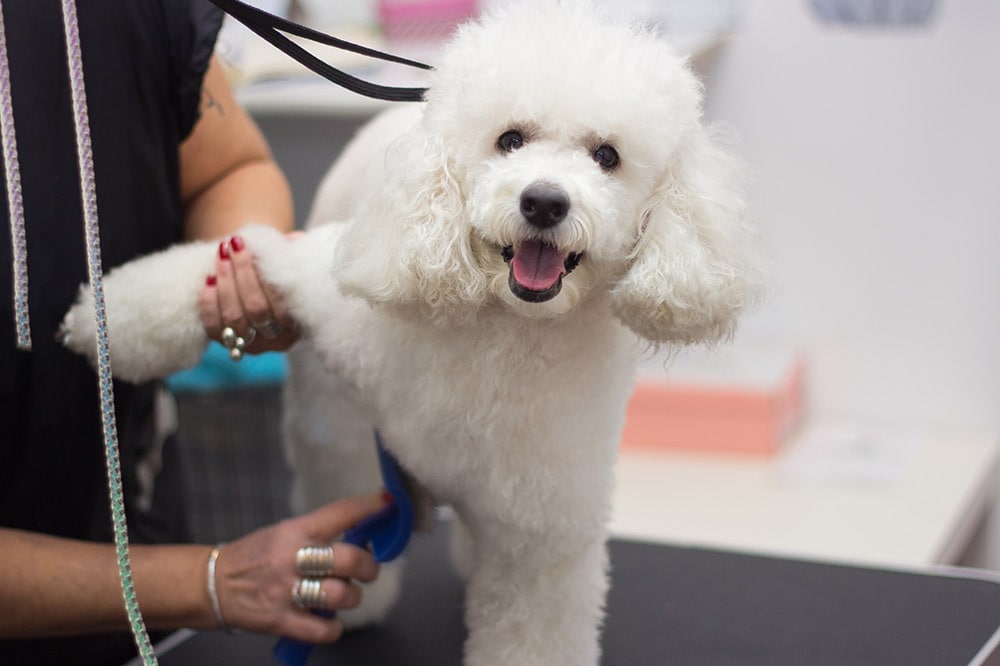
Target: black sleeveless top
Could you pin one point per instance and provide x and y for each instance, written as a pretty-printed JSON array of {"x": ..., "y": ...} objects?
[{"x": 144, "y": 62}]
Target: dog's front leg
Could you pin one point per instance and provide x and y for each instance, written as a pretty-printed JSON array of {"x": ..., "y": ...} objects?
[
  {"x": 535, "y": 599},
  {"x": 154, "y": 327},
  {"x": 328, "y": 432}
]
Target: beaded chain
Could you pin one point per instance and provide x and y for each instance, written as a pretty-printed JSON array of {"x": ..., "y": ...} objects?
[
  {"x": 15, "y": 204},
  {"x": 88, "y": 192}
]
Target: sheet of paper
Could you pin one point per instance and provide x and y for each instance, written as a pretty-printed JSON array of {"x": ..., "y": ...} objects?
[{"x": 850, "y": 453}]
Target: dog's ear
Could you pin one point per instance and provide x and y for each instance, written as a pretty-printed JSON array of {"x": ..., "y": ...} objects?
[
  {"x": 695, "y": 267},
  {"x": 409, "y": 246}
]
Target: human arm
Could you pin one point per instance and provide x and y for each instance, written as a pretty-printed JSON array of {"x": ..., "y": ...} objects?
[
  {"x": 65, "y": 587},
  {"x": 228, "y": 175},
  {"x": 229, "y": 179}
]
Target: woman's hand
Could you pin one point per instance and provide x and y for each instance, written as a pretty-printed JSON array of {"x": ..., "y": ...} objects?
[
  {"x": 237, "y": 299},
  {"x": 256, "y": 575}
]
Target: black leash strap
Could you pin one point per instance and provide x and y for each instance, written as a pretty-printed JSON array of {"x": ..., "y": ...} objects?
[{"x": 270, "y": 28}]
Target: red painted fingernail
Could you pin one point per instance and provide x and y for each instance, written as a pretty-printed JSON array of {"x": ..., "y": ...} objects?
[
  {"x": 224, "y": 250},
  {"x": 387, "y": 497},
  {"x": 210, "y": 280},
  {"x": 237, "y": 243}
]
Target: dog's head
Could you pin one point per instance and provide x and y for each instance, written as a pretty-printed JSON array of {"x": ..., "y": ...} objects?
[{"x": 559, "y": 153}]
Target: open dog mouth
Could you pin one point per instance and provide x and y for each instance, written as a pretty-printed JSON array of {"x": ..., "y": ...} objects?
[{"x": 537, "y": 269}]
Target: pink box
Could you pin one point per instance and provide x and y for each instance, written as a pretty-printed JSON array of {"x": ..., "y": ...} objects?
[
  {"x": 423, "y": 20},
  {"x": 746, "y": 413}
]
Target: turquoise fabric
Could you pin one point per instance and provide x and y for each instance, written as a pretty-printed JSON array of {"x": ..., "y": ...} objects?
[{"x": 217, "y": 371}]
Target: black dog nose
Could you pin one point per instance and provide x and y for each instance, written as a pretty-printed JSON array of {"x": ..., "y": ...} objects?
[{"x": 544, "y": 205}]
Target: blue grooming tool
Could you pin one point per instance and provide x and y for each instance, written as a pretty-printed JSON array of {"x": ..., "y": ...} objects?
[{"x": 388, "y": 532}]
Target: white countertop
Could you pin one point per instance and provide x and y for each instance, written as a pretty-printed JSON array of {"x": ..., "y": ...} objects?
[{"x": 919, "y": 507}]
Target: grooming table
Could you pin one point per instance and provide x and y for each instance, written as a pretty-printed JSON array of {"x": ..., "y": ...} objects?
[{"x": 687, "y": 606}]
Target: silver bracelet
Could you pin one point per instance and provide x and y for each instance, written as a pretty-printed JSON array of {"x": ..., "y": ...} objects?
[{"x": 212, "y": 591}]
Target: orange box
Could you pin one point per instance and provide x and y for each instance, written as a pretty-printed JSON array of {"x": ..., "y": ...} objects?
[{"x": 739, "y": 401}]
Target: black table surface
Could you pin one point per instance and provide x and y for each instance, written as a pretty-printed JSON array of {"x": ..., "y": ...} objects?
[{"x": 690, "y": 607}]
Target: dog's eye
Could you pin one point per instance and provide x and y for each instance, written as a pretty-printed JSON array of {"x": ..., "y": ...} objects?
[
  {"x": 607, "y": 157},
  {"x": 510, "y": 141}
]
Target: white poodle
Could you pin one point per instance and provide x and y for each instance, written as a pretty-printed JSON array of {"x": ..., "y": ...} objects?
[{"x": 505, "y": 251}]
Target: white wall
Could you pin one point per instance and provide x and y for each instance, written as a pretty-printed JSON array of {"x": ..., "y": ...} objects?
[{"x": 878, "y": 185}]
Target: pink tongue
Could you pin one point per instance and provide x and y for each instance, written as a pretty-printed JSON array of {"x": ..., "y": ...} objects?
[{"x": 537, "y": 265}]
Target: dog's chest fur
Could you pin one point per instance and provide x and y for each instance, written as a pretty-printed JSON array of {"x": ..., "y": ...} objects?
[{"x": 492, "y": 408}]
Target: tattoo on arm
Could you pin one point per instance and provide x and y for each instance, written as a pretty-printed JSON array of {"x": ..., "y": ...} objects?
[{"x": 208, "y": 102}]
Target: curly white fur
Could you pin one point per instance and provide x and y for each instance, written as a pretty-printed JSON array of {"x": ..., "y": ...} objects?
[{"x": 505, "y": 403}]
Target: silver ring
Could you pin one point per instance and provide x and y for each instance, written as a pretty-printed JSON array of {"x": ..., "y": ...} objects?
[
  {"x": 308, "y": 594},
  {"x": 237, "y": 344},
  {"x": 314, "y": 561},
  {"x": 229, "y": 337},
  {"x": 270, "y": 329}
]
